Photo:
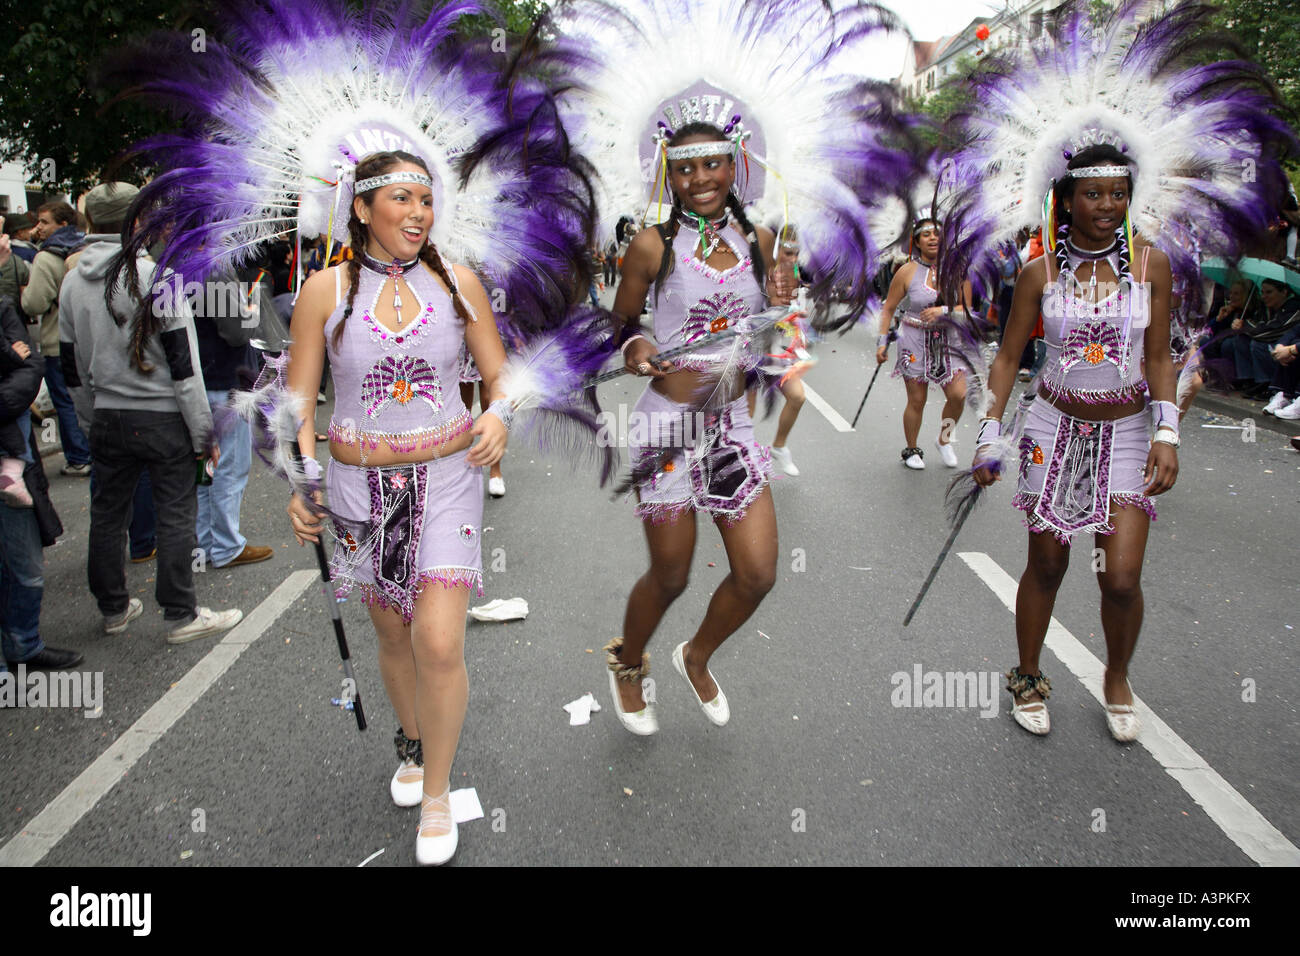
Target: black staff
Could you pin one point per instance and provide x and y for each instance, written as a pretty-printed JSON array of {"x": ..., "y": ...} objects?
[
  {"x": 962, "y": 515},
  {"x": 863, "y": 404},
  {"x": 327, "y": 591}
]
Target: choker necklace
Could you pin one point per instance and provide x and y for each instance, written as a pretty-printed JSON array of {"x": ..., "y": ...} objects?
[
  {"x": 710, "y": 237},
  {"x": 393, "y": 270},
  {"x": 1088, "y": 254}
]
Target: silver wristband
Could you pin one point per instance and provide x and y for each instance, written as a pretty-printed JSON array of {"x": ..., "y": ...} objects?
[
  {"x": 503, "y": 410},
  {"x": 882, "y": 340}
]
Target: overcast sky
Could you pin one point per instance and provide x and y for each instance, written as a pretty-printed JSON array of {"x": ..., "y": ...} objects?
[{"x": 928, "y": 20}]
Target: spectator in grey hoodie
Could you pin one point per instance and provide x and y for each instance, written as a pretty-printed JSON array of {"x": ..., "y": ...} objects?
[{"x": 137, "y": 365}]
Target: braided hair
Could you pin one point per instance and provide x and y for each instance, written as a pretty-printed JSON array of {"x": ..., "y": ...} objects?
[
  {"x": 1099, "y": 155},
  {"x": 376, "y": 164},
  {"x": 668, "y": 231}
]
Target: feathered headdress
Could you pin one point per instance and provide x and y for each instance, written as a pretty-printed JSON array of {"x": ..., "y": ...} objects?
[
  {"x": 814, "y": 145},
  {"x": 1204, "y": 139},
  {"x": 288, "y": 95}
]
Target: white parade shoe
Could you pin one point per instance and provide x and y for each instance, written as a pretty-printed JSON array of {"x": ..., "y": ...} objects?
[
  {"x": 914, "y": 459},
  {"x": 407, "y": 784},
  {"x": 643, "y": 722},
  {"x": 947, "y": 453},
  {"x": 783, "y": 458},
  {"x": 435, "y": 817},
  {"x": 716, "y": 710},
  {"x": 1122, "y": 720}
]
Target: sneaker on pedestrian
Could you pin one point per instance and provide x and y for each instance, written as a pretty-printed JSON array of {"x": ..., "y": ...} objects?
[
  {"x": 1277, "y": 401},
  {"x": 76, "y": 471},
  {"x": 50, "y": 659},
  {"x": 1291, "y": 411},
  {"x": 947, "y": 453},
  {"x": 783, "y": 458},
  {"x": 142, "y": 558},
  {"x": 206, "y": 623},
  {"x": 116, "y": 623},
  {"x": 497, "y": 487},
  {"x": 914, "y": 458},
  {"x": 252, "y": 554}
]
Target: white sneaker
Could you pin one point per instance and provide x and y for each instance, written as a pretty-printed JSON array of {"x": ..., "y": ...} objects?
[
  {"x": 914, "y": 460},
  {"x": 1276, "y": 402},
  {"x": 205, "y": 624},
  {"x": 118, "y": 622},
  {"x": 783, "y": 458},
  {"x": 497, "y": 487},
  {"x": 1291, "y": 411},
  {"x": 946, "y": 453}
]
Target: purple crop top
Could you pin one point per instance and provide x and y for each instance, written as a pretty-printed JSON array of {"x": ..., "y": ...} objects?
[
  {"x": 397, "y": 387},
  {"x": 696, "y": 300},
  {"x": 1094, "y": 351},
  {"x": 920, "y": 294}
]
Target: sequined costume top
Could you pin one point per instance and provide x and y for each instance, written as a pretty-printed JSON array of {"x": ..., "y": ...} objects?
[
  {"x": 696, "y": 300},
  {"x": 398, "y": 387},
  {"x": 920, "y": 294},
  {"x": 1094, "y": 349}
]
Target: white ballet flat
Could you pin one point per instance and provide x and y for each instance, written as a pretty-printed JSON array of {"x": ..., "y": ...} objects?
[
  {"x": 436, "y": 850},
  {"x": 1034, "y": 721},
  {"x": 716, "y": 710},
  {"x": 407, "y": 793},
  {"x": 643, "y": 722},
  {"x": 1122, "y": 721}
]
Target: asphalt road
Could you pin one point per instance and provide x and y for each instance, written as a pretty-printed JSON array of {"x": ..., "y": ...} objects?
[{"x": 818, "y": 765}]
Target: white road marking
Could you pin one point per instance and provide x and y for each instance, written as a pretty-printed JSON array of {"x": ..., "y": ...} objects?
[
  {"x": 1230, "y": 811},
  {"x": 370, "y": 857},
  {"x": 30, "y": 845},
  {"x": 830, "y": 414}
]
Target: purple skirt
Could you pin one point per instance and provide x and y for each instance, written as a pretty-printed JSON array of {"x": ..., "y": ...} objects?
[
  {"x": 722, "y": 472},
  {"x": 925, "y": 354},
  {"x": 402, "y": 527},
  {"x": 1073, "y": 472}
]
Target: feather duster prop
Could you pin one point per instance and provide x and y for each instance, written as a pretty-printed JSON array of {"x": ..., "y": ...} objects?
[
  {"x": 1205, "y": 139},
  {"x": 546, "y": 384},
  {"x": 963, "y": 490},
  {"x": 287, "y": 97},
  {"x": 813, "y": 145}
]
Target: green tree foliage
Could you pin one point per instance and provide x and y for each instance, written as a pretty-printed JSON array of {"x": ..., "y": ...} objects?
[
  {"x": 1268, "y": 30},
  {"x": 66, "y": 124},
  {"x": 57, "y": 117}
]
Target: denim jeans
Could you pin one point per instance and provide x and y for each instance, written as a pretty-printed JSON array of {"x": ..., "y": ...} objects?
[
  {"x": 22, "y": 583},
  {"x": 75, "y": 447},
  {"x": 126, "y": 444},
  {"x": 142, "y": 532},
  {"x": 217, "y": 527},
  {"x": 25, "y": 429}
]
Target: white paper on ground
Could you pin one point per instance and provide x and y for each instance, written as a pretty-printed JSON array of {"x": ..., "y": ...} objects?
[
  {"x": 465, "y": 805},
  {"x": 580, "y": 710},
  {"x": 514, "y": 609}
]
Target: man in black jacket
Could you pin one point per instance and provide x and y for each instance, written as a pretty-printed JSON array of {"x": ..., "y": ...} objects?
[{"x": 25, "y": 531}]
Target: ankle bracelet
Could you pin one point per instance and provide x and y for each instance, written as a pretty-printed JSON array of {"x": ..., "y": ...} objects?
[
  {"x": 625, "y": 672},
  {"x": 1022, "y": 685},
  {"x": 408, "y": 749}
]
